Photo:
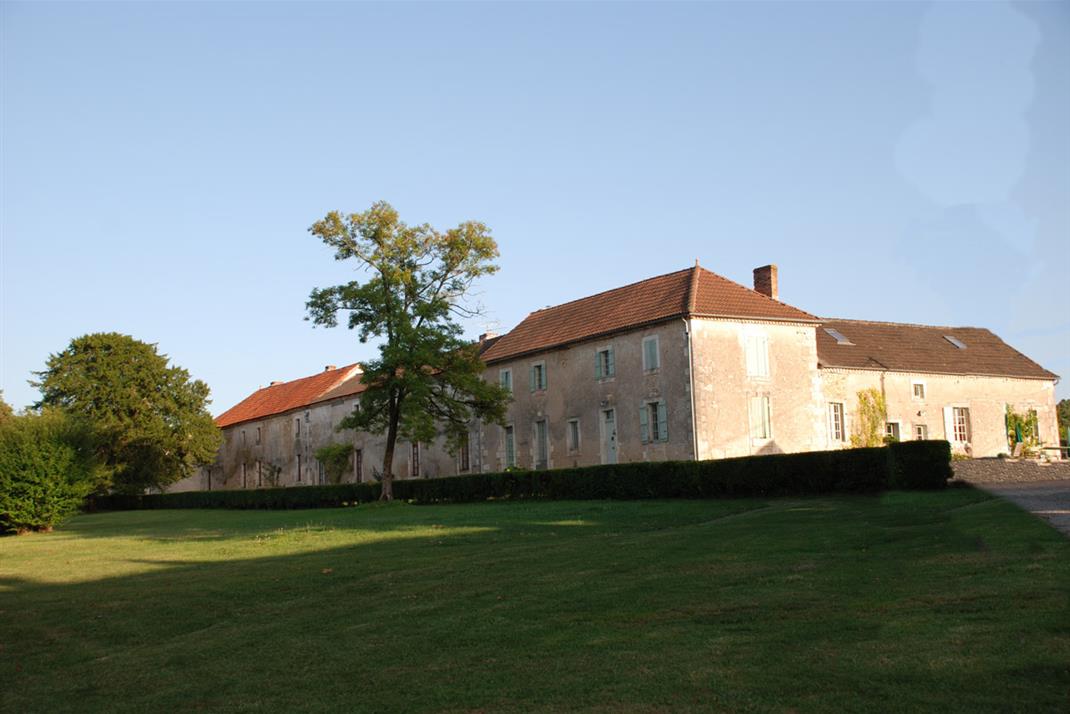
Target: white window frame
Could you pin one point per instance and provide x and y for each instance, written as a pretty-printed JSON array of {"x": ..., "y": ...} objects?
[
  {"x": 506, "y": 375},
  {"x": 540, "y": 444},
  {"x": 573, "y": 429},
  {"x": 898, "y": 427},
  {"x": 914, "y": 431},
  {"x": 544, "y": 382},
  {"x": 766, "y": 416},
  {"x": 607, "y": 370},
  {"x": 650, "y": 421},
  {"x": 836, "y": 409},
  {"x": 914, "y": 384},
  {"x": 966, "y": 425},
  {"x": 647, "y": 367},
  {"x": 509, "y": 445},
  {"x": 756, "y": 354}
]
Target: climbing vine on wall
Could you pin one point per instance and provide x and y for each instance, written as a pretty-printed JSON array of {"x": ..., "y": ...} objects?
[
  {"x": 872, "y": 415},
  {"x": 1024, "y": 428},
  {"x": 335, "y": 460}
]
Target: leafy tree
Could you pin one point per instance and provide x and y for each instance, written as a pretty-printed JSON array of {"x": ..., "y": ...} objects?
[
  {"x": 1062, "y": 411},
  {"x": 151, "y": 420},
  {"x": 6, "y": 412},
  {"x": 426, "y": 377},
  {"x": 47, "y": 468},
  {"x": 872, "y": 415}
]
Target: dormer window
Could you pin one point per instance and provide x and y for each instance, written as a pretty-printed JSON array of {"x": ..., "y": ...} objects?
[
  {"x": 840, "y": 338},
  {"x": 955, "y": 341}
]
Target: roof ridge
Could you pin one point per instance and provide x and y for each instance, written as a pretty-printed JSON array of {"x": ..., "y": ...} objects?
[
  {"x": 605, "y": 292},
  {"x": 906, "y": 324},
  {"x": 309, "y": 376}
]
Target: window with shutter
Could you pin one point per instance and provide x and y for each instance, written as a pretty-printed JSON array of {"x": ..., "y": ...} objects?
[
  {"x": 651, "y": 358},
  {"x": 663, "y": 422},
  {"x": 644, "y": 424}
]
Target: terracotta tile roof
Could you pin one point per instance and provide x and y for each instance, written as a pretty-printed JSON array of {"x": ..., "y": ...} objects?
[
  {"x": 694, "y": 291},
  {"x": 922, "y": 348},
  {"x": 283, "y": 397}
]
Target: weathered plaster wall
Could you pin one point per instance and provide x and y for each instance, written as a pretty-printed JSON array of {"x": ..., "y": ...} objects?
[
  {"x": 986, "y": 397},
  {"x": 574, "y": 392},
  {"x": 282, "y": 441},
  {"x": 723, "y": 389}
]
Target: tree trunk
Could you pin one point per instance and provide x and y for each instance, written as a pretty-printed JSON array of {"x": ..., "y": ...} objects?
[{"x": 387, "y": 494}]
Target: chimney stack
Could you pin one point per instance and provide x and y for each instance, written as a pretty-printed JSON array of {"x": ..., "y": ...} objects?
[
  {"x": 329, "y": 367},
  {"x": 487, "y": 336},
  {"x": 765, "y": 281}
]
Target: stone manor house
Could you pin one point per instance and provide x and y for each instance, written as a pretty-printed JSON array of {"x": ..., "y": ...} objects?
[{"x": 688, "y": 365}]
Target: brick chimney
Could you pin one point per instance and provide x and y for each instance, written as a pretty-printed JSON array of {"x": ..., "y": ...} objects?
[
  {"x": 329, "y": 367},
  {"x": 765, "y": 281}
]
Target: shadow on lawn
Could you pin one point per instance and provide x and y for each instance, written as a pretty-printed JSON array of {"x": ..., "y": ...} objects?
[{"x": 548, "y": 606}]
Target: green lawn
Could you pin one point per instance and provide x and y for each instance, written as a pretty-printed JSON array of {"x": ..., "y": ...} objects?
[{"x": 902, "y": 602}]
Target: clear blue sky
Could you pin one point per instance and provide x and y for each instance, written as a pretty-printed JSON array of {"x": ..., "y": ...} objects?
[{"x": 161, "y": 163}]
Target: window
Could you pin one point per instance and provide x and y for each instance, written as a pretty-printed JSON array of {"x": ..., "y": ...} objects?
[
  {"x": 651, "y": 356},
  {"x": 921, "y": 432},
  {"x": 757, "y": 356},
  {"x": 505, "y": 379},
  {"x": 891, "y": 430},
  {"x": 243, "y": 437},
  {"x": 538, "y": 376},
  {"x": 955, "y": 341},
  {"x": 297, "y": 427},
  {"x": 358, "y": 464},
  {"x": 760, "y": 420},
  {"x": 258, "y": 436},
  {"x": 243, "y": 484},
  {"x": 573, "y": 434},
  {"x": 960, "y": 419},
  {"x": 603, "y": 364},
  {"x": 510, "y": 448},
  {"x": 321, "y": 473},
  {"x": 836, "y": 430},
  {"x": 307, "y": 414},
  {"x": 299, "y": 468},
  {"x": 542, "y": 447},
  {"x": 465, "y": 457},
  {"x": 259, "y": 474},
  {"x": 653, "y": 422},
  {"x": 414, "y": 463},
  {"x": 918, "y": 390},
  {"x": 840, "y": 338}
]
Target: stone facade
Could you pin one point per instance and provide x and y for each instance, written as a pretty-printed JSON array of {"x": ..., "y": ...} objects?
[{"x": 652, "y": 372}]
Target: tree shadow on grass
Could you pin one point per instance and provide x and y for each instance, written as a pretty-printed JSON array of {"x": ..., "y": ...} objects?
[{"x": 516, "y": 607}]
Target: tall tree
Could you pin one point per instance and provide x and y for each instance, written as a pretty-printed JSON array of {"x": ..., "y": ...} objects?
[
  {"x": 426, "y": 380},
  {"x": 151, "y": 420}
]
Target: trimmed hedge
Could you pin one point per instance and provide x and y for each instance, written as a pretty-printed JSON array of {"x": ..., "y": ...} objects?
[{"x": 910, "y": 465}]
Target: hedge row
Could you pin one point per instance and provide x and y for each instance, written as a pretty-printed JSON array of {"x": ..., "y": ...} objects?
[{"x": 907, "y": 465}]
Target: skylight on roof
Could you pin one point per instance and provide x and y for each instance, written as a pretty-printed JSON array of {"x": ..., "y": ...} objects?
[
  {"x": 840, "y": 338},
  {"x": 955, "y": 341}
]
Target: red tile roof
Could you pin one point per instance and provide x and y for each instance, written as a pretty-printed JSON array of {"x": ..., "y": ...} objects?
[
  {"x": 922, "y": 348},
  {"x": 694, "y": 291},
  {"x": 285, "y": 396}
]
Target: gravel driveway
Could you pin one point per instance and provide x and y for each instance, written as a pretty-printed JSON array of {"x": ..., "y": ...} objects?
[{"x": 1041, "y": 489}]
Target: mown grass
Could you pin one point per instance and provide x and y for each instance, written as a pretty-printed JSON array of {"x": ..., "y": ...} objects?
[{"x": 948, "y": 601}]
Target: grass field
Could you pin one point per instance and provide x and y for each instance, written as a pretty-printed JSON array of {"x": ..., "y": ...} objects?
[{"x": 948, "y": 601}]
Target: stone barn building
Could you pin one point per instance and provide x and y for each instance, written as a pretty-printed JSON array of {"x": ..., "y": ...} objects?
[{"x": 688, "y": 365}]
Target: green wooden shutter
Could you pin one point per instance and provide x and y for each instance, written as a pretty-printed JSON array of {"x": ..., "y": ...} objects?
[
  {"x": 644, "y": 426},
  {"x": 610, "y": 368},
  {"x": 663, "y": 423},
  {"x": 597, "y": 365},
  {"x": 531, "y": 373}
]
